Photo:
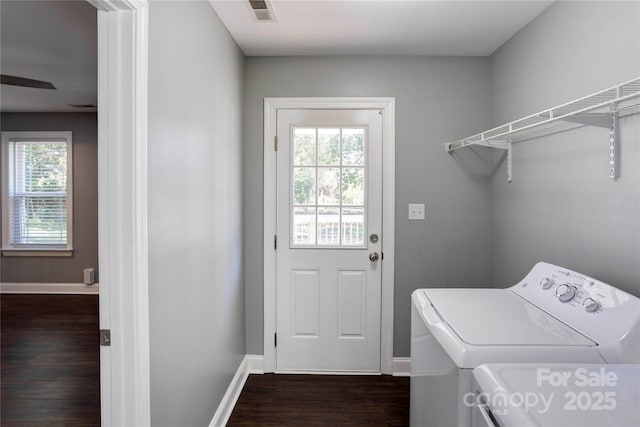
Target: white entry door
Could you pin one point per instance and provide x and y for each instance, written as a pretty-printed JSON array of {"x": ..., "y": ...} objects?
[{"x": 329, "y": 224}]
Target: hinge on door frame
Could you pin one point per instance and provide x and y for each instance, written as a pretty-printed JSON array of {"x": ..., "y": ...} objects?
[
  {"x": 275, "y": 339},
  {"x": 105, "y": 337},
  {"x": 275, "y": 241},
  {"x": 275, "y": 142}
]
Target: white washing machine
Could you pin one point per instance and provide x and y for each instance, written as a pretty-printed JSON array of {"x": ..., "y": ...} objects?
[
  {"x": 560, "y": 395},
  {"x": 554, "y": 315}
]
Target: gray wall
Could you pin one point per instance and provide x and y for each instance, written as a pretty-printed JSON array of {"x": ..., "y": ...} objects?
[
  {"x": 85, "y": 200},
  {"x": 561, "y": 206},
  {"x": 437, "y": 99},
  {"x": 196, "y": 291}
]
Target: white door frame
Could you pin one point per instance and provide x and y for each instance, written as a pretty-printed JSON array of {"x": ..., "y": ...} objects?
[
  {"x": 122, "y": 210},
  {"x": 271, "y": 107}
]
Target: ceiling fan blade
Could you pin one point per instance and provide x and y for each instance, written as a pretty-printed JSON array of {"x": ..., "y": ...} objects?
[{"x": 24, "y": 82}]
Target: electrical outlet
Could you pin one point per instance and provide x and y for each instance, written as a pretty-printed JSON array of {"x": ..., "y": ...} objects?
[{"x": 416, "y": 211}]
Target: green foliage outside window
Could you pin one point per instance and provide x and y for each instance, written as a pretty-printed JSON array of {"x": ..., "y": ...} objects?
[
  {"x": 39, "y": 193},
  {"x": 328, "y": 152}
]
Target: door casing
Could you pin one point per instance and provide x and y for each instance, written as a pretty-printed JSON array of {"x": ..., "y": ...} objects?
[
  {"x": 387, "y": 106},
  {"x": 122, "y": 211}
]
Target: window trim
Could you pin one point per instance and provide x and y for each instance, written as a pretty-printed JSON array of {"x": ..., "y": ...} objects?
[{"x": 34, "y": 249}]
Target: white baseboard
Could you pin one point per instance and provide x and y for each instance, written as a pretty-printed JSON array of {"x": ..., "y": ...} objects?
[
  {"x": 303, "y": 372},
  {"x": 49, "y": 288},
  {"x": 401, "y": 366},
  {"x": 255, "y": 363},
  {"x": 230, "y": 398}
]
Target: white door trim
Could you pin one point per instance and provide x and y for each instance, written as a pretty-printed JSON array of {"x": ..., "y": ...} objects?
[
  {"x": 122, "y": 210},
  {"x": 387, "y": 105}
]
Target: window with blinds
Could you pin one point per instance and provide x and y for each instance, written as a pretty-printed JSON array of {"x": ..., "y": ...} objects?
[{"x": 37, "y": 196}]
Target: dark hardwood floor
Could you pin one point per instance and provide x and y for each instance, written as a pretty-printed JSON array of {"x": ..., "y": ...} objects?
[
  {"x": 322, "y": 400},
  {"x": 49, "y": 356},
  {"x": 50, "y": 375}
]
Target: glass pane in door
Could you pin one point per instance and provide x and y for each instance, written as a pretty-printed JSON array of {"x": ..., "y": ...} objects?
[{"x": 328, "y": 170}]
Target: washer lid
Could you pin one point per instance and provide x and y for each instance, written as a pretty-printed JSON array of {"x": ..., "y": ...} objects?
[{"x": 500, "y": 317}]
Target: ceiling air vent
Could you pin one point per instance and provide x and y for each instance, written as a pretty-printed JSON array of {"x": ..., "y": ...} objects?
[{"x": 262, "y": 10}]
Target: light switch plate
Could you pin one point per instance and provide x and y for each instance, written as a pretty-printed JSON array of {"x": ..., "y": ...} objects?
[{"x": 416, "y": 211}]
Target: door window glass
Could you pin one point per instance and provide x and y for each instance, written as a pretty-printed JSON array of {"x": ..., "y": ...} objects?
[{"x": 328, "y": 170}]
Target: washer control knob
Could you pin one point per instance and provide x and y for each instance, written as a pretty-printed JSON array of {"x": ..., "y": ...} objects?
[
  {"x": 565, "y": 293},
  {"x": 590, "y": 305},
  {"x": 547, "y": 283},
  {"x": 561, "y": 289}
]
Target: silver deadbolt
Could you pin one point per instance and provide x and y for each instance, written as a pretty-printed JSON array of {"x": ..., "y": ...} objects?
[
  {"x": 373, "y": 238},
  {"x": 373, "y": 256}
]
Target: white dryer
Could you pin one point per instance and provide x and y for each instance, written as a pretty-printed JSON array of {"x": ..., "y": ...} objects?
[
  {"x": 559, "y": 395},
  {"x": 553, "y": 315}
]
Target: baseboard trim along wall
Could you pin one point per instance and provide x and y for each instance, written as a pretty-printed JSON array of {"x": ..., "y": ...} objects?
[
  {"x": 401, "y": 366},
  {"x": 250, "y": 365},
  {"x": 49, "y": 288},
  {"x": 254, "y": 364}
]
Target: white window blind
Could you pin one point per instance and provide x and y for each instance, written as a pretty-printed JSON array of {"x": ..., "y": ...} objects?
[{"x": 37, "y": 191}]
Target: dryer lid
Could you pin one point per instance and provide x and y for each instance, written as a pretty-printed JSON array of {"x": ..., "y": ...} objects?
[
  {"x": 486, "y": 317},
  {"x": 612, "y": 394}
]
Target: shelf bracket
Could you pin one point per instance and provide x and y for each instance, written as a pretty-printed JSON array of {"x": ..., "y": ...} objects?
[
  {"x": 509, "y": 162},
  {"x": 492, "y": 143},
  {"x": 613, "y": 147},
  {"x": 500, "y": 144},
  {"x": 602, "y": 120},
  {"x": 505, "y": 145}
]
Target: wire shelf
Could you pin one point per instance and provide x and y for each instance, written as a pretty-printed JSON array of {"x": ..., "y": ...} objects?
[
  {"x": 623, "y": 97},
  {"x": 601, "y": 109}
]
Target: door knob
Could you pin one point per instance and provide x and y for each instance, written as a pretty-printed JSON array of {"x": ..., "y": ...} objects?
[{"x": 373, "y": 256}]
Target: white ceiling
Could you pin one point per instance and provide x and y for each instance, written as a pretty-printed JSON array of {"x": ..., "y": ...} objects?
[
  {"x": 377, "y": 27},
  {"x": 55, "y": 41}
]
